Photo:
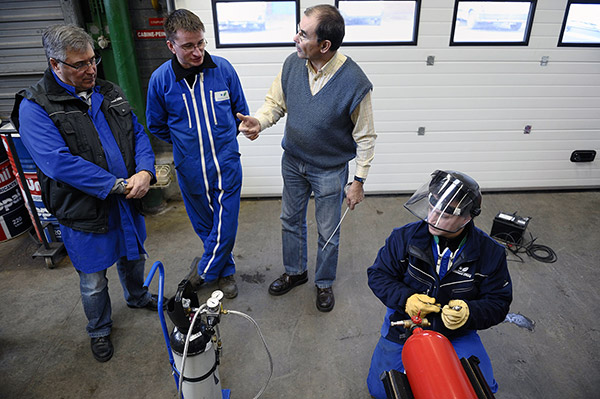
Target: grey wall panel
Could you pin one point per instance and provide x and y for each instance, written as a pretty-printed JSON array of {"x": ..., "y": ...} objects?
[
  {"x": 22, "y": 59},
  {"x": 11, "y": 85},
  {"x": 30, "y": 10}
]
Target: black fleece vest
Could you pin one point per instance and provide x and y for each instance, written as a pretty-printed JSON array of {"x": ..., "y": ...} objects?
[{"x": 72, "y": 207}]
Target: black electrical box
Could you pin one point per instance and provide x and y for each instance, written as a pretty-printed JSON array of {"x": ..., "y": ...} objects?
[
  {"x": 509, "y": 227},
  {"x": 583, "y": 156}
]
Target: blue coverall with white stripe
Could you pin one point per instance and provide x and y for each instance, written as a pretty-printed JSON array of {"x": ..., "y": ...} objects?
[{"x": 198, "y": 118}]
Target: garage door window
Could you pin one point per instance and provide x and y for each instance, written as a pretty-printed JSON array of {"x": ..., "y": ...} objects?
[
  {"x": 255, "y": 23},
  {"x": 492, "y": 23},
  {"x": 377, "y": 22},
  {"x": 581, "y": 24}
]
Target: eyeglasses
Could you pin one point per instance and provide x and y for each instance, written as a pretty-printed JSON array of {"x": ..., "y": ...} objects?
[
  {"x": 83, "y": 65},
  {"x": 189, "y": 47},
  {"x": 302, "y": 35}
]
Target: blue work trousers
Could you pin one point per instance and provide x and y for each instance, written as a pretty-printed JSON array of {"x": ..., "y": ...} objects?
[
  {"x": 215, "y": 221},
  {"x": 300, "y": 179},
  {"x": 388, "y": 356},
  {"x": 95, "y": 298}
]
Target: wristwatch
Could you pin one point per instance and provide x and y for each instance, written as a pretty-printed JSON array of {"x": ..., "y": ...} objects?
[
  {"x": 150, "y": 173},
  {"x": 119, "y": 187},
  {"x": 360, "y": 179}
]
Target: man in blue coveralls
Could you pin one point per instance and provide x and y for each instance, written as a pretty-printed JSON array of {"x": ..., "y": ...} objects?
[
  {"x": 442, "y": 268},
  {"x": 95, "y": 163},
  {"x": 192, "y": 102}
]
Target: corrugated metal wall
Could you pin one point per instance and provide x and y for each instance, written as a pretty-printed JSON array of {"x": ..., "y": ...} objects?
[
  {"x": 474, "y": 104},
  {"x": 22, "y": 59}
]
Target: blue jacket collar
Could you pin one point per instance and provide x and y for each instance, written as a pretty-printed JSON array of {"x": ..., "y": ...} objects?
[
  {"x": 59, "y": 90},
  {"x": 420, "y": 243}
]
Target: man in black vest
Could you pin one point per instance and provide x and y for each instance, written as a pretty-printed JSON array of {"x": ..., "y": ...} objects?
[
  {"x": 327, "y": 98},
  {"x": 95, "y": 163}
]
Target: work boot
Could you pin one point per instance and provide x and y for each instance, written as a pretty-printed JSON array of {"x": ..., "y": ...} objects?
[
  {"x": 228, "y": 286},
  {"x": 193, "y": 277},
  {"x": 152, "y": 304},
  {"x": 102, "y": 348}
]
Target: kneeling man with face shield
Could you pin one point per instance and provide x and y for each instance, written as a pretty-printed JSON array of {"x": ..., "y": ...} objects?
[{"x": 442, "y": 268}]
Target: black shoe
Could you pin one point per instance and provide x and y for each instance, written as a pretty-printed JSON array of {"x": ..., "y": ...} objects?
[
  {"x": 286, "y": 282},
  {"x": 152, "y": 304},
  {"x": 102, "y": 348},
  {"x": 325, "y": 299},
  {"x": 228, "y": 286}
]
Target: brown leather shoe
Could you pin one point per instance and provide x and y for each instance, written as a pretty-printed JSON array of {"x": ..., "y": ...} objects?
[
  {"x": 325, "y": 299},
  {"x": 286, "y": 282}
]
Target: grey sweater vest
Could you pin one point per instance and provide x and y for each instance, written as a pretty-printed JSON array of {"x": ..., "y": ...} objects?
[{"x": 319, "y": 128}]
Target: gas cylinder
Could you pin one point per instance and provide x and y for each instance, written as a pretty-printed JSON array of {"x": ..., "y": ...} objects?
[
  {"x": 199, "y": 379},
  {"x": 201, "y": 372},
  {"x": 433, "y": 368}
]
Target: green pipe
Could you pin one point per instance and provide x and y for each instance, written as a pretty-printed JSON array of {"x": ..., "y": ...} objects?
[
  {"x": 121, "y": 37},
  {"x": 125, "y": 60}
]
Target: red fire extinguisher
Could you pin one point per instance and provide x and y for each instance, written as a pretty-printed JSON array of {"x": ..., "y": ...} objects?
[{"x": 433, "y": 368}]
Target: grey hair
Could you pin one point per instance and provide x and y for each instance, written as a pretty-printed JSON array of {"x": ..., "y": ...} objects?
[{"x": 59, "y": 39}]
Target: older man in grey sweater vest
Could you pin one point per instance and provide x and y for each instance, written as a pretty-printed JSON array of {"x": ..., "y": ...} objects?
[{"x": 327, "y": 98}]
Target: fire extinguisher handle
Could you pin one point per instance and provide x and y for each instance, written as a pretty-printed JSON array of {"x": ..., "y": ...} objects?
[{"x": 411, "y": 324}]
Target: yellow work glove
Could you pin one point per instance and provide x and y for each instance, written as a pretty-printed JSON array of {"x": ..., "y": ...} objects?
[
  {"x": 421, "y": 302},
  {"x": 455, "y": 314}
]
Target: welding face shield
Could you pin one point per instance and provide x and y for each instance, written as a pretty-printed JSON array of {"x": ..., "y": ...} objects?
[{"x": 447, "y": 202}]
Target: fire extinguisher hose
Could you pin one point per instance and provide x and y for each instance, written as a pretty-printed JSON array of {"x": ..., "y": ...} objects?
[
  {"x": 185, "y": 350},
  {"x": 264, "y": 344},
  {"x": 187, "y": 341}
]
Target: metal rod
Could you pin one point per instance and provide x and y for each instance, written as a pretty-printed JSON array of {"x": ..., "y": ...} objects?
[{"x": 336, "y": 228}]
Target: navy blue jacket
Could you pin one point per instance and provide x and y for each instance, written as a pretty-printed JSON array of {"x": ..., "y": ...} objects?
[{"x": 479, "y": 276}]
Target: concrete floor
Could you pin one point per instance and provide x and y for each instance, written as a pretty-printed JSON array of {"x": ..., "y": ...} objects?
[{"x": 44, "y": 350}]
